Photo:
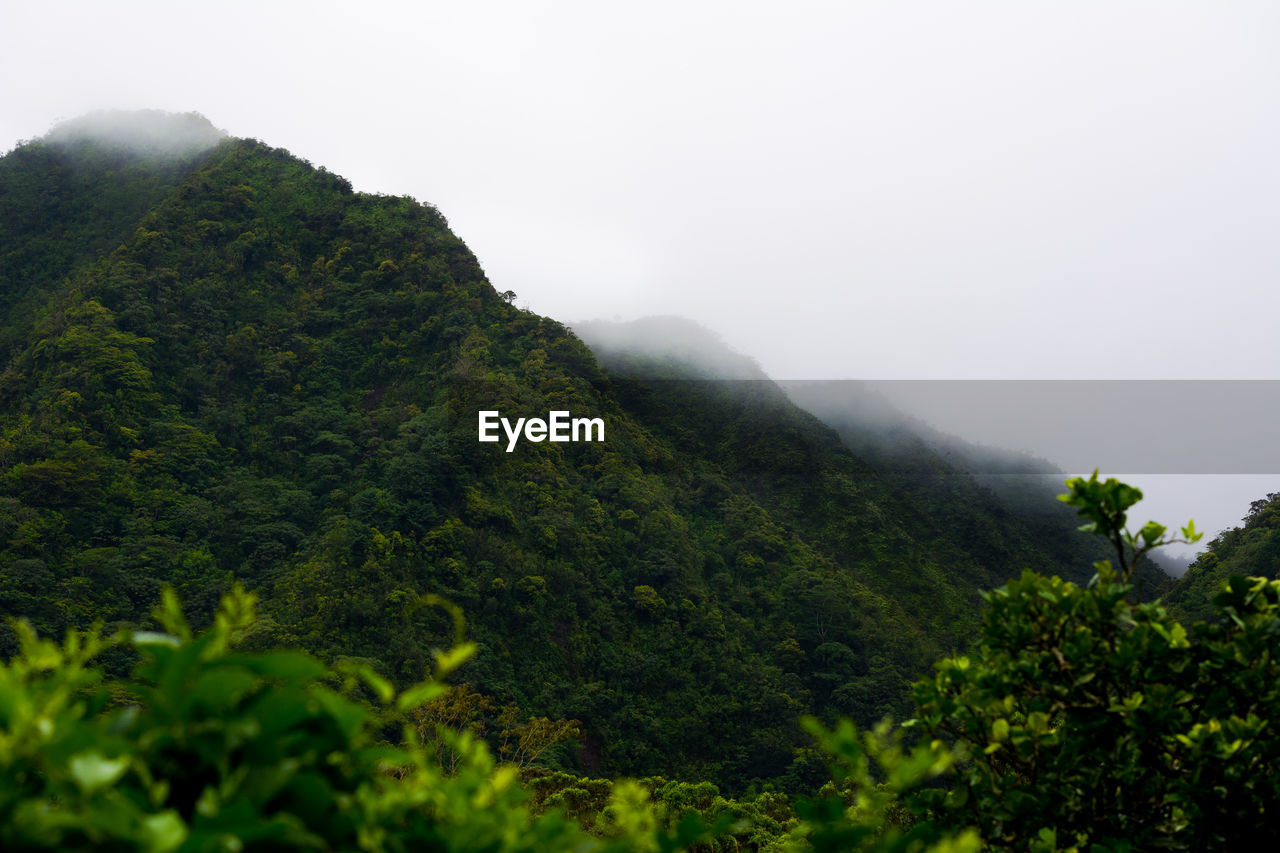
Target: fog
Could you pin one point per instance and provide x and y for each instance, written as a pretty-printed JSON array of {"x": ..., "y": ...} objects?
[
  {"x": 873, "y": 190},
  {"x": 153, "y": 133},
  {"x": 864, "y": 190},
  {"x": 1200, "y": 450},
  {"x": 667, "y": 347}
]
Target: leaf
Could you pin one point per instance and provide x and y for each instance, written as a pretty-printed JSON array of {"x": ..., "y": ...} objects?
[
  {"x": 221, "y": 687},
  {"x": 169, "y": 614},
  {"x": 164, "y": 832},
  {"x": 92, "y": 770},
  {"x": 348, "y": 716},
  {"x": 379, "y": 685},
  {"x": 1151, "y": 533},
  {"x": 155, "y": 638},
  {"x": 447, "y": 662},
  {"x": 419, "y": 694}
]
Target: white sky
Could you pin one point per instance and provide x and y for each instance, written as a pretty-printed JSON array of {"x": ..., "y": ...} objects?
[{"x": 841, "y": 190}]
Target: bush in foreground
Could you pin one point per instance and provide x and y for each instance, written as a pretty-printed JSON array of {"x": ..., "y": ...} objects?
[
  {"x": 209, "y": 749},
  {"x": 1081, "y": 721},
  {"x": 1085, "y": 721}
]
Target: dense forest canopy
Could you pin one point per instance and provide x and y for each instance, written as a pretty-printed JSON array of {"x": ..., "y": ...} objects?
[
  {"x": 230, "y": 366},
  {"x": 1084, "y": 721},
  {"x": 1250, "y": 549},
  {"x": 224, "y": 368}
]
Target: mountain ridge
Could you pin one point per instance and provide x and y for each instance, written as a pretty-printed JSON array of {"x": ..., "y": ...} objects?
[{"x": 267, "y": 377}]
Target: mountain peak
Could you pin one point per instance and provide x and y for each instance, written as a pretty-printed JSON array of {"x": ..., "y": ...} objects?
[
  {"x": 665, "y": 346},
  {"x": 143, "y": 132}
]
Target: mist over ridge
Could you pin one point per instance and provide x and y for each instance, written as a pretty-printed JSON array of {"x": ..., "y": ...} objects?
[
  {"x": 1166, "y": 437},
  {"x": 143, "y": 132},
  {"x": 882, "y": 276},
  {"x": 260, "y": 375},
  {"x": 666, "y": 346}
]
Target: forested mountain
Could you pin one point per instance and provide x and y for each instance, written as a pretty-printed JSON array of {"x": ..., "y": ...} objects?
[
  {"x": 667, "y": 347},
  {"x": 966, "y": 483},
  {"x": 78, "y": 192},
  {"x": 221, "y": 363},
  {"x": 1253, "y": 549},
  {"x": 1001, "y": 504}
]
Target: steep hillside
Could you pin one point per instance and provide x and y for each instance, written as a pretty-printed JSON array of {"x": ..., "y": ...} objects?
[
  {"x": 978, "y": 490},
  {"x": 667, "y": 347},
  {"x": 1252, "y": 550},
  {"x": 992, "y": 508},
  {"x": 79, "y": 191},
  {"x": 229, "y": 365}
]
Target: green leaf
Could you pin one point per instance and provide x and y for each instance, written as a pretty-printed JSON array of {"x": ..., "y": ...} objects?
[
  {"x": 348, "y": 715},
  {"x": 155, "y": 638},
  {"x": 164, "y": 832},
  {"x": 419, "y": 694},
  {"x": 221, "y": 687},
  {"x": 447, "y": 662},
  {"x": 92, "y": 770},
  {"x": 1151, "y": 533},
  {"x": 379, "y": 685}
]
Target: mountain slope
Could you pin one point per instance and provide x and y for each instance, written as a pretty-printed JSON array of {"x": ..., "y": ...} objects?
[
  {"x": 79, "y": 191},
  {"x": 1251, "y": 550},
  {"x": 974, "y": 489},
  {"x": 992, "y": 508},
  {"x": 243, "y": 369}
]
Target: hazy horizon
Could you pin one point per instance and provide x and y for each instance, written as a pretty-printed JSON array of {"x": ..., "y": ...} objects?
[{"x": 878, "y": 190}]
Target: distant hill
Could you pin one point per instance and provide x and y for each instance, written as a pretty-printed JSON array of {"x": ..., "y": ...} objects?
[
  {"x": 220, "y": 363},
  {"x": 1253, "y": 549},
  {"x": 963, "y": 481},
  {"x": 79, "y": 192},
  {"x": 668, "y": 347},
  {"x": 1000, "y": 505}
]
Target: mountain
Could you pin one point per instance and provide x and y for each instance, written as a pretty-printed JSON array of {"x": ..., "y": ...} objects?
[
  {"x": 1251, "y": 550},
  {"x": 79, "y": 192},
  {"x": 668, "y": 347},
  {"x": 966, "y": 483},
  {"x": 221, "y": 363},
  {"x": 1001, "y": 505}
]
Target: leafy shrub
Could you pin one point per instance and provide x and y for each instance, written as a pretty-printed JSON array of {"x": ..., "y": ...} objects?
[
  {"x": 1081, "y": 721},
  {"x": 209, "y": 749},
  {"x": 1085, "y": 721}
]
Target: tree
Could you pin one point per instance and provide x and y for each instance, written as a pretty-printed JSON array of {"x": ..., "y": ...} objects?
[
  {"x": 1083, "y": 718},
  {"x": 207, "y": 748}
]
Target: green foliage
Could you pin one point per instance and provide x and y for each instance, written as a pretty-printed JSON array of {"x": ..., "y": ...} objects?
[
  {"x": 1251, "y": 549},
  {"x": 225, "y": 366},
  {"x": 1105, "y": 504},
  {"x": 997, "y": 505},
  {"x": 1084, "y": 719},
  {"x": 75, "y": 195},
  {"x": 207, "y": 748},
  {"x": 877, "y": 781}
]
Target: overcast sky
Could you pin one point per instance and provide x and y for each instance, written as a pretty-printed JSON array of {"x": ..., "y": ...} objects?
[{"x": 841, "y": 190}]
